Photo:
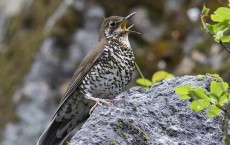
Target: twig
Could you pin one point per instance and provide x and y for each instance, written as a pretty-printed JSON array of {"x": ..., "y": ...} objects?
[
  {"x": 139, "y": 71},
  {"x": 225, "y": 47}
]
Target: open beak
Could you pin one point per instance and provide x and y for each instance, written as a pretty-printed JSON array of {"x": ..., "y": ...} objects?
[{"x": 124, "y": 22}]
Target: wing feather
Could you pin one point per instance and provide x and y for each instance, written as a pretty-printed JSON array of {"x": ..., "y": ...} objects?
[{"x": 82, "y": 70}]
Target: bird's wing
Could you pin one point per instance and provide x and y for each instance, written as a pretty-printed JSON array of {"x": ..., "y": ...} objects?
[{"x": 82, "y": 70}]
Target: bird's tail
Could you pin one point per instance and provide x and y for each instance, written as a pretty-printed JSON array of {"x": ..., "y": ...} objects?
[
  {"x": 71, "y": 113},
  {"x": 55, "y": 133}
]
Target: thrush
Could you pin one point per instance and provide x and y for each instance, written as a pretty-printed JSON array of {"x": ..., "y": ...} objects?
[{"x": 102, "y": 75}]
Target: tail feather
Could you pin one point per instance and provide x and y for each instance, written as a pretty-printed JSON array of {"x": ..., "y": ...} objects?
[
  {"x": 70, "y": 115},
  {"x": 55, "y": 133}
]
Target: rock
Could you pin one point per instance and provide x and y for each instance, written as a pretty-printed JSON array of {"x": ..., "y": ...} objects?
[{"x": 156, "y": 117}]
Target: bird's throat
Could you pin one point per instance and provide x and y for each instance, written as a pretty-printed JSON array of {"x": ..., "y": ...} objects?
[{"x": 125, "y": 40}]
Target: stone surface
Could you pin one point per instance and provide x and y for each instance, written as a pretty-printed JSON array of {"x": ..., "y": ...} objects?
[{"x": 156, "y": 117}]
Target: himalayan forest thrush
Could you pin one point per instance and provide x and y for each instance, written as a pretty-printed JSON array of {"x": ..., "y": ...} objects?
[{"x": 102, "y": 74}]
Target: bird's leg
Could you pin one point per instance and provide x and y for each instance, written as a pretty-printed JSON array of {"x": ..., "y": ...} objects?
[{"x": 98, "y": 101}]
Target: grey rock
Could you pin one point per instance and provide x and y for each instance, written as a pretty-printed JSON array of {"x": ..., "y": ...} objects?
[{"x": 154, "y": 117}]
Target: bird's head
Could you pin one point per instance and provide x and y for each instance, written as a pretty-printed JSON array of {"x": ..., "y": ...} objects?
[{"x": 115, "y": 26}]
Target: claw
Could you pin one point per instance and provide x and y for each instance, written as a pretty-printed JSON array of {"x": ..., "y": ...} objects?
[{"x": 100, "y": 101}]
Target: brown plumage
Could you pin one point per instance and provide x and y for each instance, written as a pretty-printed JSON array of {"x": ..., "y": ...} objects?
[{"x": 103, "y": 73}]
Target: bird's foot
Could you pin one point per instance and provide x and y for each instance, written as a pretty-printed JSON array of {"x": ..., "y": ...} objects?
[{"x": 100, "y": 101}]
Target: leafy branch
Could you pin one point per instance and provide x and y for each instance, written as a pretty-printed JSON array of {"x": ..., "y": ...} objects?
[{"x": 218, "y": 30}]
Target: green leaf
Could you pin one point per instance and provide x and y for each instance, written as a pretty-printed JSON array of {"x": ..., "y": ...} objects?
[
  {"x": 218, "y": 30},
  {"x": 214, "y": 98},
  {"x": 183, "y": 90},
  {"x": 224, "y": 86},
  {"x": 201, "y": 93},
  {"x": 184, "y": 97},
  {"x": 210, "y": 29},
  {"x": 221, "y": 14},
  {"x": 218, "y": 36},
  {"x": 217, "y": 18},
  {"x": 223, "y": 26},
  {"x": 199, "y": 105},
  {"x": 225, "y": 38},
  {"x": 161, "y": 75},
  {"x": 223, "y": 99},
  {"x": 205, "y": 10},
  {"x": 218, "y": 88},
  {"x": 144, "y": 82},
  {"x": 213, "y": 111}
]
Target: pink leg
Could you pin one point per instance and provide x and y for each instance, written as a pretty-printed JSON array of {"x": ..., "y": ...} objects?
[{"x": 99, "y": 101}]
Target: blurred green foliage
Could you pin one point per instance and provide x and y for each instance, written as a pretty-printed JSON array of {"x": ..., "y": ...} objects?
[{"x": 156, "y": 77}]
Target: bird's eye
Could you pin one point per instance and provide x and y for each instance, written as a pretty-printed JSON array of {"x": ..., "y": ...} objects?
[{"x": 112, "y": 24}]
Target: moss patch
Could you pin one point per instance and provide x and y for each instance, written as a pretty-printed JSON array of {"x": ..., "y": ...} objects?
[
  {"x": 127, "y": 130},
  {"x": 216, "y": 77},
  {"x": 200, "y": 78},
  {"x": 113, "y": 143},
  {"x": 227, "y": 140}
]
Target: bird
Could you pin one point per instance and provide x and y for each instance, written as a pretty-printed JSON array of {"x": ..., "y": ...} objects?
[{"x": 102, "y": 75}]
